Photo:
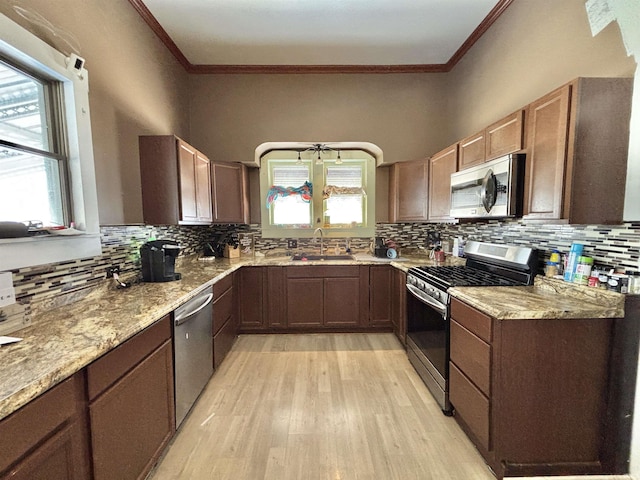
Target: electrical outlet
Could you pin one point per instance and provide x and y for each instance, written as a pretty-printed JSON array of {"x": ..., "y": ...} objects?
[
  {"x": 112, "y": 270},
  {"x": 292, "y": 243}
]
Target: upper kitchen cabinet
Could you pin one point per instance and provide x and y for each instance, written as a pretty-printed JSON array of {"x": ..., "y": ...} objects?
[
  {"x": 441, "y": 166},
  {"x": 408, "y": 191},
  {"x": 176, "y": 182},
  {"x": 577, "y": 140},
  {"x": 500, "y": 138},
  {"x": 504, "y": 136},
  {"x": 230, "y": 192},
  {"x": 472, "y": 150}
]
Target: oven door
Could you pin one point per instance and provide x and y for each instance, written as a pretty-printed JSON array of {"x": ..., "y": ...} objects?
[{"x": 428, "y": 342}]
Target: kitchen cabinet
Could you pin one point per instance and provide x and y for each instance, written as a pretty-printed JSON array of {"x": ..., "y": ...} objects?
[
  {"x": 472, "y": 150},
  {"x": 409, "y": 191},
  {"x": 131, "y": 404},
  {"x": 225, "y": 325},
  {"x": 48, "y": 437},
  {"x": 321, "y": 297},
  {"x": 441, "y": 166},
  {"x": 230, "y": 185},
  {"x": 577, "y": 141},
  {"x": 500, "y": 138},
  {"x": 532, "y": 394},
  {"x": 380, "y": 295},
  {"x": 504, "y": 136},
  {"x": 399, "y": 304},
  {"x": 175, "y": 181},
  {"x": 252, "y": 298}
]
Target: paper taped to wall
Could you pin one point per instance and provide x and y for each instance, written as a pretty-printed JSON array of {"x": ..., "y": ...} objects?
[
  {"x": 7, "y": 293},
  {"x": 600, "y": 15}
]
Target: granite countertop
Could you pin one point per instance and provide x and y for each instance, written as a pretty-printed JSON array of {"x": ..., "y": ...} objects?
[
  {"x": 63, "y": 339},
  {"x": 546, "y": 299}
]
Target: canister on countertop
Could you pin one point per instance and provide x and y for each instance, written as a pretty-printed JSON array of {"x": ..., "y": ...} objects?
[
  {"x": 635, "y": 289},
  {"x": 583, "y": 270},
  {"x": 572, "y": 261},
  {"x": 593, "y": 278}
]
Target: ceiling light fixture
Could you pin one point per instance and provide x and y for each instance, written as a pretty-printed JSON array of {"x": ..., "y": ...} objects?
[
  {"x": 299, "y": 161},
  {"x": 338, "y": 160}
]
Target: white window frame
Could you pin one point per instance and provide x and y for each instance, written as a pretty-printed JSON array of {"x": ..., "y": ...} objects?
[
  {"x": 24, "y": 48},
  {"x": 318, "y": 179}
]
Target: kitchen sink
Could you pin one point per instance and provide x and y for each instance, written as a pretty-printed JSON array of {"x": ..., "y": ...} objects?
[{"x": 306, "y": 257}]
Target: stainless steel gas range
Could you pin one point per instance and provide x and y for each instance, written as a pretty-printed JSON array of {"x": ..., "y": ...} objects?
[{"x": 428, "y": 304}]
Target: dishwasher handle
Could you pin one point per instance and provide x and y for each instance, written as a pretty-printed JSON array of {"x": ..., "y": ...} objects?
[{"x": 185, "y": 316}]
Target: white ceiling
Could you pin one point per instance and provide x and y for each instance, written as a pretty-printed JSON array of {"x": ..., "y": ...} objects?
[{"x": 319, "y": 32}]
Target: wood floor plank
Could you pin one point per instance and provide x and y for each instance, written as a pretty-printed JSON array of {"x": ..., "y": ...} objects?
[{"x": 325, "y": 406}]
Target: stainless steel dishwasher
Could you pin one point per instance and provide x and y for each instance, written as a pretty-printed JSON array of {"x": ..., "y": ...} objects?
[{"x": 193, "y": 350}]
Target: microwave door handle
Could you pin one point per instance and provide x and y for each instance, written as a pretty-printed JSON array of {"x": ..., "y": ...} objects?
[{"x": 489, "y": 190}]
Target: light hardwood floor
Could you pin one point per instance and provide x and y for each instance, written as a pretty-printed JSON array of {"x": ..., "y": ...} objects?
[
  {"x": 334, "y": 407},
  {"x": 324, "y": 406}
]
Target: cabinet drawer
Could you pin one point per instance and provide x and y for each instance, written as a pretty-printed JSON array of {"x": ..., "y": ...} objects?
[
  {"x": 222, "y": 310},
  {"x": 222, "y": 286},
  {"x": 471, "y": 355},
  {"x": 471, "y": 319},
  {"x": 110, "y": 367},
  {"x": 470, "y": 405}
]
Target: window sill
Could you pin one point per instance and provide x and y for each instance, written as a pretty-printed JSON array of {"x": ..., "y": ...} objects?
[{"x": 30, "y": 251}]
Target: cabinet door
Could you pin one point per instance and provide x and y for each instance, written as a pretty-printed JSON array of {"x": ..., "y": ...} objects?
[
  {"x": 251, "y": 297},
  {"x": 187, "y": 173},
  {"x": 472, "y": 150},
  {"x": 229, "y": 193},
  {"x": 134, "y": 419},
  {"x": 342, "y": 302},
  {"x": 48, "y": 437},
  {"x": 547, "y": 137},
  {"x": 442, "y": 165},
  {"x": 505, "y": 136},
  {"x": 203, "y": 188},
  {"x": 305, "y": 302},
  {"x": 380, "y": 285},
  {"x": 408, "y": 191}
]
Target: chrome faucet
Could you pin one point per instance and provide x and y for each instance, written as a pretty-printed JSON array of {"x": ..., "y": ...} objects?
[{"x": 321, "y": 239}]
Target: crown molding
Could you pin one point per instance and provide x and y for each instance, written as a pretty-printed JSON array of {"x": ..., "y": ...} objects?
[{"x": 148, "y": 17}]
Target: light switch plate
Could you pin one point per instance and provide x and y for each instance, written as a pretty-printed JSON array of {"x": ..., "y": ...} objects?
[{"x": 292, "y": 243}]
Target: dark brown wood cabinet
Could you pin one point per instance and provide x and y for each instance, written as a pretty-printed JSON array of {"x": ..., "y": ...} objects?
[
  {"x": 131, "y": 404},
  {"x": 409, "y": 191},
  {"x": 225, "y": 325},
  {"x": 399, "y": 304},
  {"x": 252, "y": 298},
  {"x": 532, "y": 394},
  {"x": 48, "y": 437},
  {"x": 441, "y": 166},
  {"x": 577, "y": 141},
  {"x": 230, "y": 186},
  {"x": 380, "y": 295},
  {"x": 175, "y": 181},
  {"x": 322, "y": 297}
]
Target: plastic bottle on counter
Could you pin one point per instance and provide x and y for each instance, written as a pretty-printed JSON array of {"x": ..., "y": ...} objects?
[
  {"x": 583, "y": 270},
  {"x": 572, "y": 261}
]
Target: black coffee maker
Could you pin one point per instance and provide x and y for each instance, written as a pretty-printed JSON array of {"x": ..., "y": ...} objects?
[{"x": 158, "y": 258}]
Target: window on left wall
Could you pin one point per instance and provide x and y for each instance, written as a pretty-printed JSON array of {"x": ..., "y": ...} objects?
[{"x": 47, "y": 174}]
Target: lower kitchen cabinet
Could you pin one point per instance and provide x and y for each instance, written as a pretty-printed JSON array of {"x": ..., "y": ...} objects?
[
  {"x": 48, "y": 437},
  {"x": 398, "y": 302},
  {"x": 225, "y": 326},
  {"x": 131, "y": 404},
  {"x": 252, "y": 298},
  {"x": 532, "y": 394},
  {"x": 380, "y": 295},
  {"x": 327, "y": 296}
]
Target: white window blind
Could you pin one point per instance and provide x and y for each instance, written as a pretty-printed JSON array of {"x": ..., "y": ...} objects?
[
  {"x": 290, "y": 176},
  {"x": 345, "y": 176}
]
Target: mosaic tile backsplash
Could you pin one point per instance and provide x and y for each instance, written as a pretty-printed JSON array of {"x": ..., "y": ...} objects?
[{"x": 609, "y": 245}]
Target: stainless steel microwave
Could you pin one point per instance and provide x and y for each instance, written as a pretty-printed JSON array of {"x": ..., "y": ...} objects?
[{"x": 494, "y": 189}]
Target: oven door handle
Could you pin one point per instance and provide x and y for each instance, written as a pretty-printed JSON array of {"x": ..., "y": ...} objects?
[{"x": 437, "y": 306}]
